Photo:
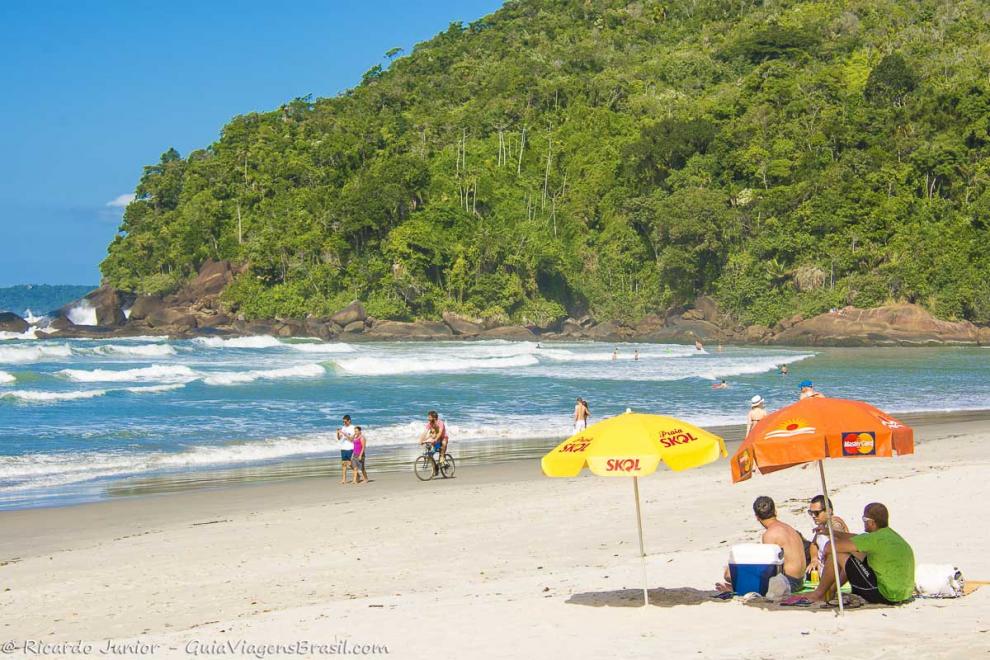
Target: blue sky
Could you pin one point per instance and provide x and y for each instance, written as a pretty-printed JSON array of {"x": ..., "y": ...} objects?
[{"x": 90, "y": 92}]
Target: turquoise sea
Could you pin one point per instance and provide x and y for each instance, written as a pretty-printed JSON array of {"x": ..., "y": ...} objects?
[{"x": 82, "y": 420}]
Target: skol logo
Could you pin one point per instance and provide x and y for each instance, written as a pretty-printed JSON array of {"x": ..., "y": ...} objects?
[
  {"x": 622, "y": 465},
  {"x": 678, "y": 437},
  {"x": 578, "y": 445},
  {"x": 858, "y": 443}
]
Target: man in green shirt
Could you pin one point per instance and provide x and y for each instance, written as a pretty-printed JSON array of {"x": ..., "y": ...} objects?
[{"x": 879, "y": 564}]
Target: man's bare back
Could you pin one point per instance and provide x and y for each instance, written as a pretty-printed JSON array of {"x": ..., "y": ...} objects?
[{"x": 782, "y": 534}]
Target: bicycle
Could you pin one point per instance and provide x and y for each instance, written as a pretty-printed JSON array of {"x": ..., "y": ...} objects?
[{"x": 426, "y": 466}]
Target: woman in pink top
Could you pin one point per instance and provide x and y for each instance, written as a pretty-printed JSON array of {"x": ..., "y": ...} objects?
[{"x": 357, "y": 459}]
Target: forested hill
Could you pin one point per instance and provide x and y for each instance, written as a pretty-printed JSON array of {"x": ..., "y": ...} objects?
[{"x": 564, "y": 156}]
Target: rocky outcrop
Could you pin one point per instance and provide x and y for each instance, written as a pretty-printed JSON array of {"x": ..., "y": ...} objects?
[
  {"x": 109, "y": 304},
  {"x": 510, "y": 332},
  {"x": 145, "y": 305},
  {"x": 460, "y": 325},
  {"x": 353, "y": 312},
  {"x": 893, "y": 325},
  {"x": 213, "y": 277},
  {"x": 10, "y": 322},
  {"x": 406, "y": 330}
]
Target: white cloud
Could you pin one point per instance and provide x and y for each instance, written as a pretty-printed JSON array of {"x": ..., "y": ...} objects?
[{"x": 120, "y": 201}]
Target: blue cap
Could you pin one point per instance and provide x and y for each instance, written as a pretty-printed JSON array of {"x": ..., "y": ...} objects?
[{"x": 805, "y": 383}]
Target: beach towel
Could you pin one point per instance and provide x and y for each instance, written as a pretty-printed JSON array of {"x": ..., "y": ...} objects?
[{"x": 938, "y": 581}]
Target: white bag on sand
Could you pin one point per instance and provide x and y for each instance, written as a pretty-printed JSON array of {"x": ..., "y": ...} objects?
[
  {"x": 938, "y": 581},
  {"x": 778, "y": 588}
]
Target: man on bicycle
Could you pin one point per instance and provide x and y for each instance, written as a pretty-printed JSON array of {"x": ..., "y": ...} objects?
[{"x": 435, "y": 434}]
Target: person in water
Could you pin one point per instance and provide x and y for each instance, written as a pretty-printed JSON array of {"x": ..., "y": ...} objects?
[
  {"x": 783, "y": 370},
  {"x": 345, "y": 436},
  {"x": 357, "y": 459},
  {"x": 581, "y": 415},
  {"x": 721, "y": 385},
  {"x": 636, "y": 355},
  {"x": 615, "y": 354},
  {"x": 808, "y": 391}
]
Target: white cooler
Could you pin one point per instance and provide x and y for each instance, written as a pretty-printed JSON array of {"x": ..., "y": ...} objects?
[{"x": 751, "y": 565}]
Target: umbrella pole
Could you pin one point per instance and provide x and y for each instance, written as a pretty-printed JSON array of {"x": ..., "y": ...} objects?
[
  {"x": 642, "y": 552},
  {"x": 831, "y": 537}
]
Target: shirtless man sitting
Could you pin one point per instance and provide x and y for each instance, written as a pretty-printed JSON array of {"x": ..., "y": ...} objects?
[{"x": 782, "y": 534}]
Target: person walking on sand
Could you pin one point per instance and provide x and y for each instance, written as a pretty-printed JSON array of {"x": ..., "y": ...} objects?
[
  {"x": 357, "y": 459},
  {"x": 757, "y": 411},
  {"x": 345, "y": 437},
  {"x": 581, "y": 415}
]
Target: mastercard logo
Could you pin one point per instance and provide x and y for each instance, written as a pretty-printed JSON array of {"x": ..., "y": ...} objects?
[{"x": 859, "y": 443}]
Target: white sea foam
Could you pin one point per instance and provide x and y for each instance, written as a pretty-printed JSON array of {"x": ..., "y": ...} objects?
[
  {"x": 135, "y": 350},
  {"x": 47, "y": 397},
  {"x": 309, "y": 347},
  {"x": 33, "y": 353},
  {"x": 389, "y": 366},
  {"x": 82, "y": 313},
  {"x": 30, "y": 333},
  {"x": 31, "y": 318},
  {"x": 259, "y": 341},
  {"x": 159, "y": 372},
  {"x": 241, "y": 377},
  {"x": 6, "y": 379},
  {"x": 148, "y": 389}
]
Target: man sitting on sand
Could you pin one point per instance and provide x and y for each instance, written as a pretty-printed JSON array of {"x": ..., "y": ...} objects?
[
  {"x": 819, "y": 534},
  {"x": 782, "y": 534},
  {"x": 878, "y": 564}
]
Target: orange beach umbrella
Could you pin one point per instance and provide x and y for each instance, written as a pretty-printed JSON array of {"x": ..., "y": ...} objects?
[{"x": 817, "y": 428}]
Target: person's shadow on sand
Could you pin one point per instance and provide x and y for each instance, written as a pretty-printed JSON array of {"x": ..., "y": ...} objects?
[{"x": 659, "y": 597}]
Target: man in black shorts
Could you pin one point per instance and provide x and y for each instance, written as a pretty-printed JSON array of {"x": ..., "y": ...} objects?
[{"x": 878, "y": 564}]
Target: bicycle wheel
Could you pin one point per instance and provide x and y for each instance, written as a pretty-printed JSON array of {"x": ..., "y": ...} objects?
[
  {"x": 425, "y": 468},
  {"x": 447, "y": 467}
]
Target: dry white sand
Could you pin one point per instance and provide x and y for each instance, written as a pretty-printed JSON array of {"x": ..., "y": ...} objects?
[{"x": 499, "y": 562}]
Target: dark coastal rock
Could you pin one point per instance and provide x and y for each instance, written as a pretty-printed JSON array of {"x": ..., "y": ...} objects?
[
  {"x": 171, "y": 318},
  {"x": 145, "y": 305},
  {"x": 212, "y": 320},
  {"x": 354, "y": 327},
  {"x": 405, "y": 330},
  {"x": 318, "y": 327},
  {"x": 571, "y": 328},
  {"x": 109, "y": 304},
  {"x": 755, "y": 334},
  {"x": 695, "y": 329},
  {"x": 649, "y": 324},
  {"x": 609, "y": 331},
  {"x": 212, "y": 279},
  {"x": 10, "y": 322},
  {"x": 509, "y": 332},
  {"x": 350, "y": 314},
  {"x": 983, "y": 336},
  {"x": 708, "y": 309},
  {"x": 461, "y": 325},
  {"x": 902, "y": 324}
]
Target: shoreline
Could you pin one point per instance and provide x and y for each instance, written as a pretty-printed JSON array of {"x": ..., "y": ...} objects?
[{"x": 488, "y": 460}]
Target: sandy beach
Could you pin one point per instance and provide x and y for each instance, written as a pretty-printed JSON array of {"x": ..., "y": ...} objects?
[{"x": 499, "y": 562}]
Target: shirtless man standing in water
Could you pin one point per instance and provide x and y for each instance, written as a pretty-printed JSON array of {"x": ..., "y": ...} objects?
[
  {"x": 782, "y": 534},
  {"x": 581, "y": 414}
]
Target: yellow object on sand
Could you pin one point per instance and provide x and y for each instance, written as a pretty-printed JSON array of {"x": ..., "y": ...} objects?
[{"x": 632, "y": 445}]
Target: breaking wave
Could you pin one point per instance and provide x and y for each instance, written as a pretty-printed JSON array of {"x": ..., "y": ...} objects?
[
  {"x": 32, "y": 353},
  {"x": 376, "y": 366},
  {"x": 159, "y": 372}
]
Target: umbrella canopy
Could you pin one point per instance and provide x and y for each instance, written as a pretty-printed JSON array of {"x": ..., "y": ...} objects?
[
  {"x": 632, "y": 445},
  {"x": 818, "y": 428}
]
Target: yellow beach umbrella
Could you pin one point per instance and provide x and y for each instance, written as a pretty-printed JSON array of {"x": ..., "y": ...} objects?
[{"x": 632, "y": 445}]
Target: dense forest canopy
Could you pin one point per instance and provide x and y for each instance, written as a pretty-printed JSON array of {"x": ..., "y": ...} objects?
[{"x": 568, "y": 156}]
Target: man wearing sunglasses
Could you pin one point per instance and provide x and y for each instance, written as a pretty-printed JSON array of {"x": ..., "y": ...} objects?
[
  {"x": 878, "y": 564},
  {"x": 819, "y": 534}
]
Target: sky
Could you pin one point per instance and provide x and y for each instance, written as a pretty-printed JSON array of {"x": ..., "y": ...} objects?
[{"x": 92, "y": 91}]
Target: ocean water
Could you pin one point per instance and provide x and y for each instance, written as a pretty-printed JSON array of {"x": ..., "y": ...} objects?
[{"x": 81, "y": 420}]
